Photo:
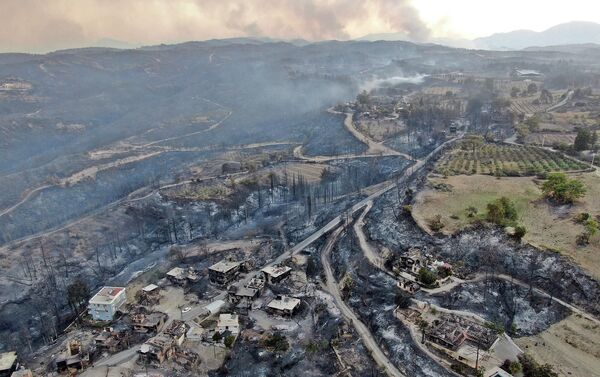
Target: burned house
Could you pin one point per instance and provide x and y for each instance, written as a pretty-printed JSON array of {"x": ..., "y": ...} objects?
[
  {"x": 111, "y": 340},
  {"x": 412, "y": 261},
  {"x": 244, "y": 296},
  {"x": 275, "y": 274},
  {"x": 452, "y": 332},
  {"x": 148, "y": 323},
  {"x": 283, "y": 305},
  {"x": 177, "y": 330},
  {"x": 73, "y": 359},
  {"x": 408, "y": 285},
  {"x": 8, "y": 363},
  {"x": 183, "y": 276},
  {"x": 149, "y": 295},
  {"x": 224, "y": 272},
  {"x": 157, "y": 349}
]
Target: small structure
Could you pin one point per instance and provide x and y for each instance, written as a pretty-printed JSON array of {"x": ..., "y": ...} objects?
[
  {"x": 8, "y": 363},
  {"x": 148, "y": 323},
  {"x": 412, "y": 261},
  {"x": 224, "y": 272},
  {"x": 177, "y": 330},
  {"x": 283, "y": 305},
  {"x": 408, "y": 285},
  {"x": 182, "y": 276},
  {"x": 228, "y": 322},
  {"x": 110, "y": 340},
  {"x": 242, "y": 296},
  {"x": 157, "y": 349},
  {"x": 73, "y": 359},
  {"x": 275, "y": 274},
  {"x": 104, "y": 305},
  {"x": 149, "y": 295},
  {"x": 214, "y": 307}
]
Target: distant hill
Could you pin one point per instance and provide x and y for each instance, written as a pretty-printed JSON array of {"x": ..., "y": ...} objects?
[
  {"x": 564, "y": 34},
  {"x": 572, "y": 33}
]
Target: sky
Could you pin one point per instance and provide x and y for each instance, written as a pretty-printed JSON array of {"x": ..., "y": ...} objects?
[{"x": 46, "y": 25}]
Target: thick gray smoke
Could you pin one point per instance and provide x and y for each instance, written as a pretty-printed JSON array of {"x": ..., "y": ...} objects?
[
  {"x": 391, "y": 81},
  {"x": 41, "y": 25}
]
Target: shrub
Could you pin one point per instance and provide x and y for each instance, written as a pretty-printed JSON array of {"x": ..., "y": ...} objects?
[
  {"x": 501, "y": 211},
  {"x": 563, "y": 189},
  {"x": 436, "y": 224},
  {"x": 427, "y": 276},
  {"x": 520, "y": 232},
  {"x": 229, "y": 339}
]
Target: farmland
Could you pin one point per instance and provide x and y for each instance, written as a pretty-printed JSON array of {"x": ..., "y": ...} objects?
[
  {"x": 526, "y": 106},
  {"x": 550, "y": 138},
  {"x": 548, "y": 226},
  {"x": 504, "y": 160}
]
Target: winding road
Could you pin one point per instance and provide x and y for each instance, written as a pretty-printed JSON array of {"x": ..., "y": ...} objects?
[{"x": 332, "y": 286}]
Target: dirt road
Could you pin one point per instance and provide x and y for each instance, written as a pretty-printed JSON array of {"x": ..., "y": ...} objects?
[{"x": 366, "y": 336}]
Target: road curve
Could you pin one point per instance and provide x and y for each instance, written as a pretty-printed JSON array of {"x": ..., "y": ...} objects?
[{"x": 365, "y": 334}]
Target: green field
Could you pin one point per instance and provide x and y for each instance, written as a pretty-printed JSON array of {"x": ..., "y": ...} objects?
[{"x": 504, "y": 160}]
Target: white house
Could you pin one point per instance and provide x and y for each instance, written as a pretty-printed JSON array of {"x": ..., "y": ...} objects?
[
  {"x": 228, "y": 322},
  {"x": 106, "y": 302}
]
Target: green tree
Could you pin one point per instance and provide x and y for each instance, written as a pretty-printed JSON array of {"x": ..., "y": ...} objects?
[
  {"x": 426, "y": 276},
  {"x": 229, "y": 339},
  {"x": 583, "y": 140},
  {"x": 501, "y": 211},
  {"x": 563, "y": 189},
  {"x": 77, "y": 294}
]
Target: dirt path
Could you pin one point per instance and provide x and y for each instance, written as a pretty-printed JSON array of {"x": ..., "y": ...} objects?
[
  {"x": 374, "y": 148},
  {"x": 368, "y": 340}
]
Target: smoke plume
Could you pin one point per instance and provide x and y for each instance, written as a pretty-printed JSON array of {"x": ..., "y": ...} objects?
[{"x": 42, "y": 25}]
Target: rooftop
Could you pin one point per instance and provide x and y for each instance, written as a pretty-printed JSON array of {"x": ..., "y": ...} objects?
[
  {"x": 107, "y": 295},
  {"x": 276, "y": 271},
  {"x": 176, "y": 272},
  {"x": 150, "y": 288},
  {"x": 7, "y": 360},
  {"x": 224, "y": 266},
  {"x": 228, "y": 319},
  {"x": 284, "y": 303}
]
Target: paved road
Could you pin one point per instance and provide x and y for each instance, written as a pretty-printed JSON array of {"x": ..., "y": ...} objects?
[
  {"x": 368, "y": 339},
  {"x": 119, "y": 357}
]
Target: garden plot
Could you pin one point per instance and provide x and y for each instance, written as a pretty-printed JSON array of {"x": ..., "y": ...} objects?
[
  {"x": 505, "y": 160},
  {"x": 527, "y": 105},
  {"x": 550, "y": 138}
]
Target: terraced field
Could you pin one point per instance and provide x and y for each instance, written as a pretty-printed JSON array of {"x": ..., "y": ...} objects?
[{"x": 505, "y": 160}]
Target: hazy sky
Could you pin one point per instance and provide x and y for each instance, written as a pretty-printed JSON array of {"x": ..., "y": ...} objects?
[{"x": 43, "y": 25}]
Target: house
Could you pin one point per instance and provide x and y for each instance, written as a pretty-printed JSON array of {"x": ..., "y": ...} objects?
[
  {"x": 182, "y": 276},
  {"x": 413, "y": 261},
  {"x": 111, "y": 340},
  {"x": 275, "y": 274},
  {"x": 148, "y": 323},
  {"x": 177, "y": 330},
  {"x": 224, "y": 272},
  {"x": 73, "y": 359},
  {"x": 157, "y": 349},
  {"x": 242, "y": 296},
  {"x": 8, "y": 363},
  {"x": 105, "y": 303},
  {"x": 228, "y": 322},
  {"x": 408, "y": 285},
  {"x": 283, "y": 305},
  {"x": 149, "y": 295}
]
